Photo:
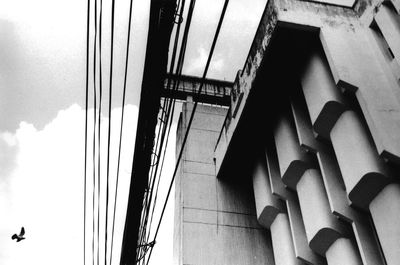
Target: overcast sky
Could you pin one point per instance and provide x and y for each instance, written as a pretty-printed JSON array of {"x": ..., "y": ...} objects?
[{"x": 42, "y": 93}]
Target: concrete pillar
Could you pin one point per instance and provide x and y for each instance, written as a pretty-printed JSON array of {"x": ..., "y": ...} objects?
[
  {"x": 322, "y": 228},
  {"x": 282, "y": 242},
  {"x": 342, "y": 252},
  {"x": 267, "y": 205},
  {"x": 324, "y": 100},
  {"x": 385, "y": 212},
  {"x": 293, "y": 161},
  {"x": 363, "y": 171}
]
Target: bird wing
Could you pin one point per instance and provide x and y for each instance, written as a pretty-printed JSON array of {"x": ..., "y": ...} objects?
[
  {"x": 14, "y": 236},
  {"x": 22, "y": 231}
]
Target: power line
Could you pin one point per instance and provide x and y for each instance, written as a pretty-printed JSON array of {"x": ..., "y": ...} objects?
[
  {"x": 122, "y": 122},
  {"x": 109, "y": 127},
  {"x": 99, "y": 132},
  {"x": 191, "y": 118},
  {"x": 94, "y": 127},
  {"x": 86, "y": 130}
]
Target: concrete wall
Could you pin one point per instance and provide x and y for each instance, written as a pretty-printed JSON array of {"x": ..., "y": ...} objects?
[{"x": 215, "y": 220}]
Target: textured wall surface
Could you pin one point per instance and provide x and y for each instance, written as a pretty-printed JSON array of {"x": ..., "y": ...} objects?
[{"x": 215, "y": 221}]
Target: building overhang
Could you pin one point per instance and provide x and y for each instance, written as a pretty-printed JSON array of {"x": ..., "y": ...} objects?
[{"x": 278, "y": 46}]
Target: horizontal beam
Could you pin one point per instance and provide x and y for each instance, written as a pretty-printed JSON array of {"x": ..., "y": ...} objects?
[{"x": 183, "y": 86}]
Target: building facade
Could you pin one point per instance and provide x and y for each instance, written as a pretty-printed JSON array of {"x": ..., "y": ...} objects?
[{"x": 304, "y": 166}]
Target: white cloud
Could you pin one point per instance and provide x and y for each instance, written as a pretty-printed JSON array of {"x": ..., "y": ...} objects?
[
  {"x": 197, "y": 65},
  {"x": 8, "y": 138},
  {"x": 44, "y": 191}
]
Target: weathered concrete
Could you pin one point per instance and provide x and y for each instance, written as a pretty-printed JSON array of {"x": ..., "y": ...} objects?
[{"x": 385, "y": 211}]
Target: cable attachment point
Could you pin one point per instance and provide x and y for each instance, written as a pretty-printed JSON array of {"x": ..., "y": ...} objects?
[
  {"x": 154, "y": 159},
  {"x": 178, "y": 18},
  {"x": 150, "y": 244}
]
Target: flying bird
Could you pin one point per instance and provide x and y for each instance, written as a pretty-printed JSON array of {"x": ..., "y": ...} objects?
[{"x": 20, "y": 236}]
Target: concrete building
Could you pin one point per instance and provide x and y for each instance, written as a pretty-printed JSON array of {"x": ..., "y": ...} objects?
[{"x": 303, "y": 168}]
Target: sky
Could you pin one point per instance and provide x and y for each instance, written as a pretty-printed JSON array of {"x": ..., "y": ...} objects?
[{"x": 42, "y": 114}]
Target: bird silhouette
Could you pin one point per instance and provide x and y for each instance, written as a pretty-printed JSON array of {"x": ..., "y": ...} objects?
[{"x": 20, "y": 236}]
